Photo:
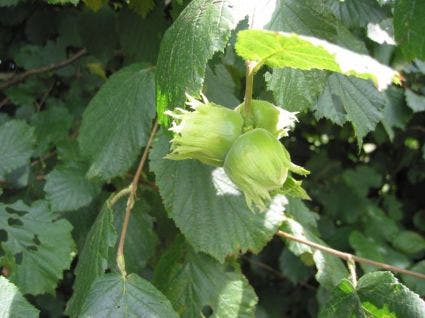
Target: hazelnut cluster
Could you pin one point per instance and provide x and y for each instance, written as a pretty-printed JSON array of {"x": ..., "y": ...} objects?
[{"x": 253, "y": 158}]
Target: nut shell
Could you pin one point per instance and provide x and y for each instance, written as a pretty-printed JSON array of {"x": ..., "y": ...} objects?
[
  {"x": 205, "y": 134},
  {"x": 257, "y": 164}
]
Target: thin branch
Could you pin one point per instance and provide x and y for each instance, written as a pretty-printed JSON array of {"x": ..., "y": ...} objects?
[
  {"x": 43, "y": 158},
  {"x": 348, "y": 256},
  {"x": 4, "y": 102},
  {"x": 418, "y": 128},
  {"x": 274, "y": 272},
  {"x": 131, "y": 200},
  {"x": 44, "y": 97},
  {"x": 44, "y": 69},
  {"x": 265, "y": 267}
]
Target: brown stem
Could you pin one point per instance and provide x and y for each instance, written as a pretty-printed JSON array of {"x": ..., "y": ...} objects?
[
  {"x": 4, "y": 102},
  {"x": 131, "y": 200},
  {"x": 43, "y": 158},
  {"x": 22, "y": 76},
  {"x": 44, "y": 97},
  {"x": 274, "y": 272},
  {"x": 348, "y": 256}
]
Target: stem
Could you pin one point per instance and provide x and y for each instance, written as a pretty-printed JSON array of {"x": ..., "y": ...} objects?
[
  {"x": 249, "y": 86},
  {"x": 130, "y": 202},
  {"x": 22, "y": 76},
  {"x": 276, "y": 273},
  {"x": 351, "y": 264},
  {"x": 247, "y": 107},
  {"x": 348, "y": 256},
  {"x": 114, "y": 199}
]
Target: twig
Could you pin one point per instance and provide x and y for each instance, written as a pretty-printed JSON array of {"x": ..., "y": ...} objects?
[
  {"x": 348, "y": 256},
  {"x": 44, "y": 97},
  {"x": 273, "y": 271},
  {"x": 418, "y": 128},
  {"x": 22, "y": 76},
  {"x": 265, "y": 267},
  {"x": 43, "y": 158},
  {"x": 131, "y": 200},
  {"x": 4, "y": 102}
]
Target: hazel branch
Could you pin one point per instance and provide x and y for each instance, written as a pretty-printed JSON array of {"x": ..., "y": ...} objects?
[
  {"x": 20, "y": 77},
  {"x": 131, "y": 199},
  {"x": 349, "y": 257}
]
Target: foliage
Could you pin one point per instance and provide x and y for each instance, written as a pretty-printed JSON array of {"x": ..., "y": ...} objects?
[{"x": 81, "y": 83}]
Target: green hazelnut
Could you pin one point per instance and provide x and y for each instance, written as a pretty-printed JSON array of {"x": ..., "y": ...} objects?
[
  {"x": 205, "y": 134},
  {"x": 270, "y": 117},
  {"x": 258, "y": 164}
]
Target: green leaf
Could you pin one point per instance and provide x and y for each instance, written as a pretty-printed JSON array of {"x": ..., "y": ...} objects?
[
  {"x": 350, "y": 99},
  {"x": 378, "y": 225},
  {"x": 117, "y": 122},
  {"x": 142, "y": 7},
  {"x": 341, "y": 203},
  {"x": 102, "y": 40},
  {"x": 414, "y": 101},
  {"x": 409, "y": 242},
  {"x": 194, "y": 281},
  {"x": 51, "y": 125},
  {"x": 113, "y": 295},
  {"x": 361, "y": 179},
  {"x": 307, "y": 18},
  {"x": 378, "y": 294},
  {"x": 9, "y": 3},
  {"x": 293, "y": 268},
  {"x": 382, "y": 289},
  {"x": 409, "y": 26},
  {"x": 33, "y": 56},
  {"x": 12, "y": 303},
  {"x": 25, "y": 94},
  {"x": 343, "y": 302},
  {"x": 18, "y": 178},
  {"x": 67, "y": 187},
  {"x": 302, "y": 52},
  {"x": 330, "y": 269},
  {"x": 95, "y": 5},
  {"x": 356, "y": 13},
  {"x": 16, "y": 140},
  {"x": 300, "y": 212},
  {"x": 376, "y": 250},
  {"x": 93, "y": 259},
  {"x": 219, "y": 86},
  {"x": 301, "y": 222},
  {"x": 135, "y": 32},
  {"x": 394, "y": 112},
  {"x": 202, "y": 29},
  {"x": 417, "y": 285},
  {"x": 42, "y": 246},
  {"x": 207, "y": 207},
  {"x": 296, "y": 90},
  {"x": 74, "y": 2}
]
